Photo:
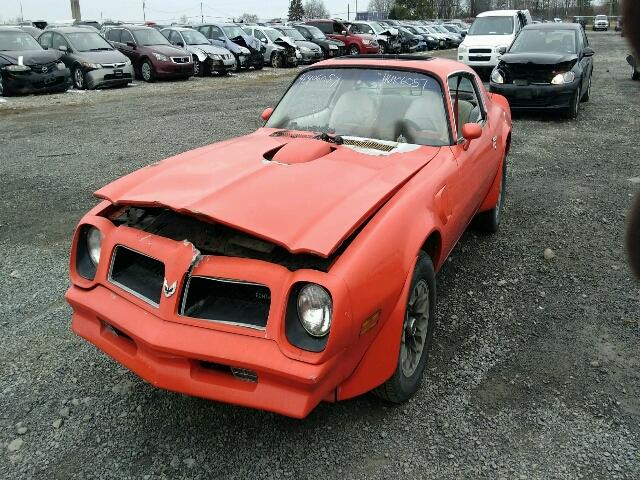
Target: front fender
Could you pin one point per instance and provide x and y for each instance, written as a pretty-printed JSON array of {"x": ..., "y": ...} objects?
[{"x": 200, "y": 54}]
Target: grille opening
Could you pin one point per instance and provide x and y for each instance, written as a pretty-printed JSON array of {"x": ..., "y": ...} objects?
[
  {"x": 227, "y": 301},
  {"x": 138, "y": 274},
  {"x": 242, "y": 374},
  {"x": 117, "y": 332}
]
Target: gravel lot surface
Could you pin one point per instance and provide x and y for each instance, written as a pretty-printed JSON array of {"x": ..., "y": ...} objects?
[{"x": 535, "y": 368}]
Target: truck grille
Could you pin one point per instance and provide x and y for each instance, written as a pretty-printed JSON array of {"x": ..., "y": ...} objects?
[
  {"x": 137, "y": 274},
  {"x": 528, "y": 74},
  {"x": 479, "y": 50},
  {"x": 44, "y": 67},
  {"x": 227, "y": 301},
  {"x": 180, "y": 59}
]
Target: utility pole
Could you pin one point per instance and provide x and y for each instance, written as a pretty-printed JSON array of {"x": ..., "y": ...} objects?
[
  {"x": 75, "y": 10},
  {"x": 348, "y": 12},
  {"x": 201, "y": 14},
  {"x": 144, "y": 13},
  {"x": 356, "y": 18}
]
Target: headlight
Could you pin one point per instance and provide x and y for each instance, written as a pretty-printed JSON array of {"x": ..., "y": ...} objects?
[
  {"x": 561, "y": 78},
  {"x": 333, "y": 47},
  {"x": 127, "y": 63},
  {"x": 160, "y": 57},
  {"x": 305, "y": 49},
  {"x": 496, "y": 76},
  {"x": 431, "y": 39},
  {"x": 94, "y": 244},
  {"x": 61, "y": 66},
  {"x": 91, "y": 65},
  {"x": 214, "y": 56},
  {"x": 244, "y": 50},
  {"x": 367, "y": 41},
  {"x": 315, "y": 308},
  {"x": 17, "y": 68}
]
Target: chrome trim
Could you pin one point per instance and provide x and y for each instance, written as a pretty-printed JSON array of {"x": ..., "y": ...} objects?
[
  {"x": 185, "y": 294},
  {"x": 123, "y": 287}
]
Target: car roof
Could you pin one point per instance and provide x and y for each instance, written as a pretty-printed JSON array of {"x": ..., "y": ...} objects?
[
  {"x": 440, "y": 67},
  {"x": 179, "y": 29},
  {"x": 79, "y": 29},
  {"x": 499, "y": 13},
  {"x": 552, "y": 26}
]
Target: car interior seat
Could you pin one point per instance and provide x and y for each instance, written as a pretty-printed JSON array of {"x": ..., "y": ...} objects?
[
  {"x": 427, "y": 113},
  {"x": 353, "y": 114}
]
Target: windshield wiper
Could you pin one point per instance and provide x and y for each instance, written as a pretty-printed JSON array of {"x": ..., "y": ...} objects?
[
  {"x": 98, "y": 49},
  {"x": 335, "y": 139}
]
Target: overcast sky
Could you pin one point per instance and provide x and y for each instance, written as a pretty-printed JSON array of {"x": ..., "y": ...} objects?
[{"x": 160, "y": 10}]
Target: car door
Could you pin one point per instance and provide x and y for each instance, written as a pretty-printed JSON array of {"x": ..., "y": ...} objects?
[
  {"x": 586, "y": 61},
  {"x": 58, "y": 42},
  {"x": 129, "y": 46},
  {"x": 477, "y": 160}
]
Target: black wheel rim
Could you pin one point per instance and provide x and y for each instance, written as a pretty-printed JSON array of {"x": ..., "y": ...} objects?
[
  {"x": 416, "y": 325},
  {"x": 78, "y": 78},
  {"x": 354, "y": 50}
]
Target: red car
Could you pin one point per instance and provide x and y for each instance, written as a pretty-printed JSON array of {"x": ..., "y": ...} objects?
[
  {"x": 356, "y": 44},
  {"x": 297, "y": 264}
]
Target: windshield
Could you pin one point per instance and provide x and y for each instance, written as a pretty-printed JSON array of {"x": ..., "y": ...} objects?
[
  {"x": 545, "y": 41},
  {"x": 388, "y": 105},
  {"x": 233, "y": 31},
  {"x": 439, "y": 28},
  {"x": 492, "y": 26},
  {"x": 272, "y": 34},
  {"x": 88, "y": 42},
  {"x": 601, "y": 17},
  {"x": 193, "y": 37},
  {"x": 315, "y": 32},
  {"x": 377, "y": 27},
  {"x": 148, "y": 37},
  {"x": 292, "y": 33},
  {"x": 18, "y": 41}
]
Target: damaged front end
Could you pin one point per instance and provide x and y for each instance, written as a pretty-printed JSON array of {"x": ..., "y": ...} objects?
[
  {"x": 203, "y": 309},
  {"x": 256, "y": 50}
]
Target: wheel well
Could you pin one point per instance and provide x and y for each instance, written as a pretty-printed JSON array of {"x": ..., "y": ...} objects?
[
  {"x": 507, "y": 146},
  {"x": 433, "y": 247}
]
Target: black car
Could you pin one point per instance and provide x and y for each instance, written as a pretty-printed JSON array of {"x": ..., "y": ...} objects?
[
  {"x": 431, "y": 41},
  {"x": 410, "y": 42},
  {"x": 25, "y": 67},
  {"x": 547, "y": 67},
  {"x": 330, "y": 48}
]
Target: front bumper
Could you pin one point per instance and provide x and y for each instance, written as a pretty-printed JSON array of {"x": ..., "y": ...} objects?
[
  {"x": 536, "y": 97},
  {"x": 479, "y": 59},
  {"x": 369, "y": 49},
  {"x": 311, "y": 57},
  {"x": 107, "y": 77},
  {"x": 170, "y": 69},
  {"x": 225, "y": 65},
  {"x": 32, "y": 82},
  {"x": 333, "y": 53}
]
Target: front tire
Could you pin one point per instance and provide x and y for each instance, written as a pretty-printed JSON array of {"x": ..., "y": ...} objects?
[
  {"x": 574, "y": 106},
  {"x": 354, "y": 50},
  {"x": 146, "y": 71},
  {"x": 198, "y": 67},
  {"x": 635, "y": 75},
  {"x": 79, "y": 82},
  {"x": 3, "y": 90},
  {"x": 276, "y": 60},
  {"x": 417, "y": 333},
  {"x": 383, "y": 49}
]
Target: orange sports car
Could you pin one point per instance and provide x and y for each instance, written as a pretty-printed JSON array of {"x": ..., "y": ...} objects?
[{"x": 297, "y": 264}]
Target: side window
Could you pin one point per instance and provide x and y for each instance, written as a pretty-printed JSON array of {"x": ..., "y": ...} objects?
[
  {"x": 338, "y": 28},
  {"x": 175, "y": 38},
  {"x": 45, "y": 40},
  {"x": 126, "y": 37},
  {"x": 113, "y": 35},
  {"x": 166, "y": 34},
  {"x": 465, "y": 101},
  {"x": 259, "y": 35},
  {"x": 304, "y": 32},
  {"x": 216, "y": 32},
  {"x": 325, "y": 27},
  {"x": 59, "y": 41}
]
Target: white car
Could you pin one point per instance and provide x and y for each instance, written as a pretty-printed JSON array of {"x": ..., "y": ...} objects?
[
  {"x": 601, "y": 22},
  {"x": 490, "y": 36}
]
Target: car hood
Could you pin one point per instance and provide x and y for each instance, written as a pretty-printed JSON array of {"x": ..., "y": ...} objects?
[
  {"x": 248, "y": 41},
  {"x": 209, "y": 49},
  {"x": 168, "y": 50},
  {"x": 538, "y": 58},
  {"x": 103, "y": 56},
  {"x": 307, "y": 206},
  {"x": 309, "y": 45},
  {"x": 32, "y": 57},
  {"x": 487, "y": 40}
]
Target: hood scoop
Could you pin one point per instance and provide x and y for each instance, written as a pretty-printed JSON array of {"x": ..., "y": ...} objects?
[{"x": 300, "y": 150}]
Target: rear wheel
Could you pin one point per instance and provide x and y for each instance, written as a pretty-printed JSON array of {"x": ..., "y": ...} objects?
[
  {"x": 146, "y": 70},
  {"x": 78, "y": 78},
  {"x": 354, "y": 50},
  {"x": 417, "y": 332}
]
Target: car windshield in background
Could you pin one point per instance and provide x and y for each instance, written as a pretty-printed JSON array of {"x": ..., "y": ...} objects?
[
  {"x": 193, "y": 37},
  {"x": 149, "y": 37},
  {"x": 601, "y": 17},
  {"x": 440, "y": 29},
  {"x": 292, "y": 33},
  {"x": 545, "y": 41},
  {"x": 378, "y": 28},
  {"x": 388, "y": 105},
  {"x": 272, "y": 34},
  {"x": 88, "y": 42},
  {"x": 316, "y": 32},
  {"x": 492, "y": 26},
  {"x": 18, "y": 42},
  {"x": 233, "y": 31}
]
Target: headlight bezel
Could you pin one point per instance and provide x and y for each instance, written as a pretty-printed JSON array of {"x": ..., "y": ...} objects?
[
  {"x": 295, "y": 332},
  {"x": 86, "y": 266},
  {"x": 160, "y": 57},
  {"x": 497, "y": 76},
  {"x": 314, "y": 297}
]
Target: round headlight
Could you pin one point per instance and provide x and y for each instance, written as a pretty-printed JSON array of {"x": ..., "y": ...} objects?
[
  {"x": 315, "y": 308},
  {"x": 94, "y": 244},
  {"x": 496, "y": 76}
]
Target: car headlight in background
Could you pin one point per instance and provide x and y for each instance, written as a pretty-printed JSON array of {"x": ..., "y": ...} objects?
[
  {"x": 305, "y": 49},
  {"x": 17, "y": 68},
  {"x": 215, "y": 56},
  {"x": 562, "y": 78},
  {"x": 315, "y": 309},
  {"x": 431, "y": 39},
  {"x": 91, "y": 65},
  {"x": 496, "y": 76},
  {"x": 160, "y": 57},
  {"x": 333, "y": 47},
  {"x": 61, "y": 66},
  {"x": 94, "y": 245}
]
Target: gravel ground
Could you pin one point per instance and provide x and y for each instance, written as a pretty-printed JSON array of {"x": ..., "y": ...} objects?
[{"x": 535, "y": 367}]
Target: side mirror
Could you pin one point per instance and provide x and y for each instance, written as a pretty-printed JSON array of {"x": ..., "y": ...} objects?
[
  {"x": 131, "y": 44},
  {"x": 180, "y": 44},
  {"x": 266, "y": 115},
  {"x": 588, "y": 52},
  {"x": 502, "y": 50},
  {"x": 344, "y": 32},
  {"x": 263, "y": 40},
  {"x": 471, "y": 131},
  {"x": 63, "y": 48}
]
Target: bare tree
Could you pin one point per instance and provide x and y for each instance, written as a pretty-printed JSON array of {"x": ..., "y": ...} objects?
[
  {"x": 383, "y": 7},
  {"x": 315, "y": 9},
  {"x": 249, "y": 18}
]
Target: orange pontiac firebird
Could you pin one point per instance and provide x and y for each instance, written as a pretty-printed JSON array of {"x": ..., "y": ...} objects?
[{"x": 297, "y": 264}]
